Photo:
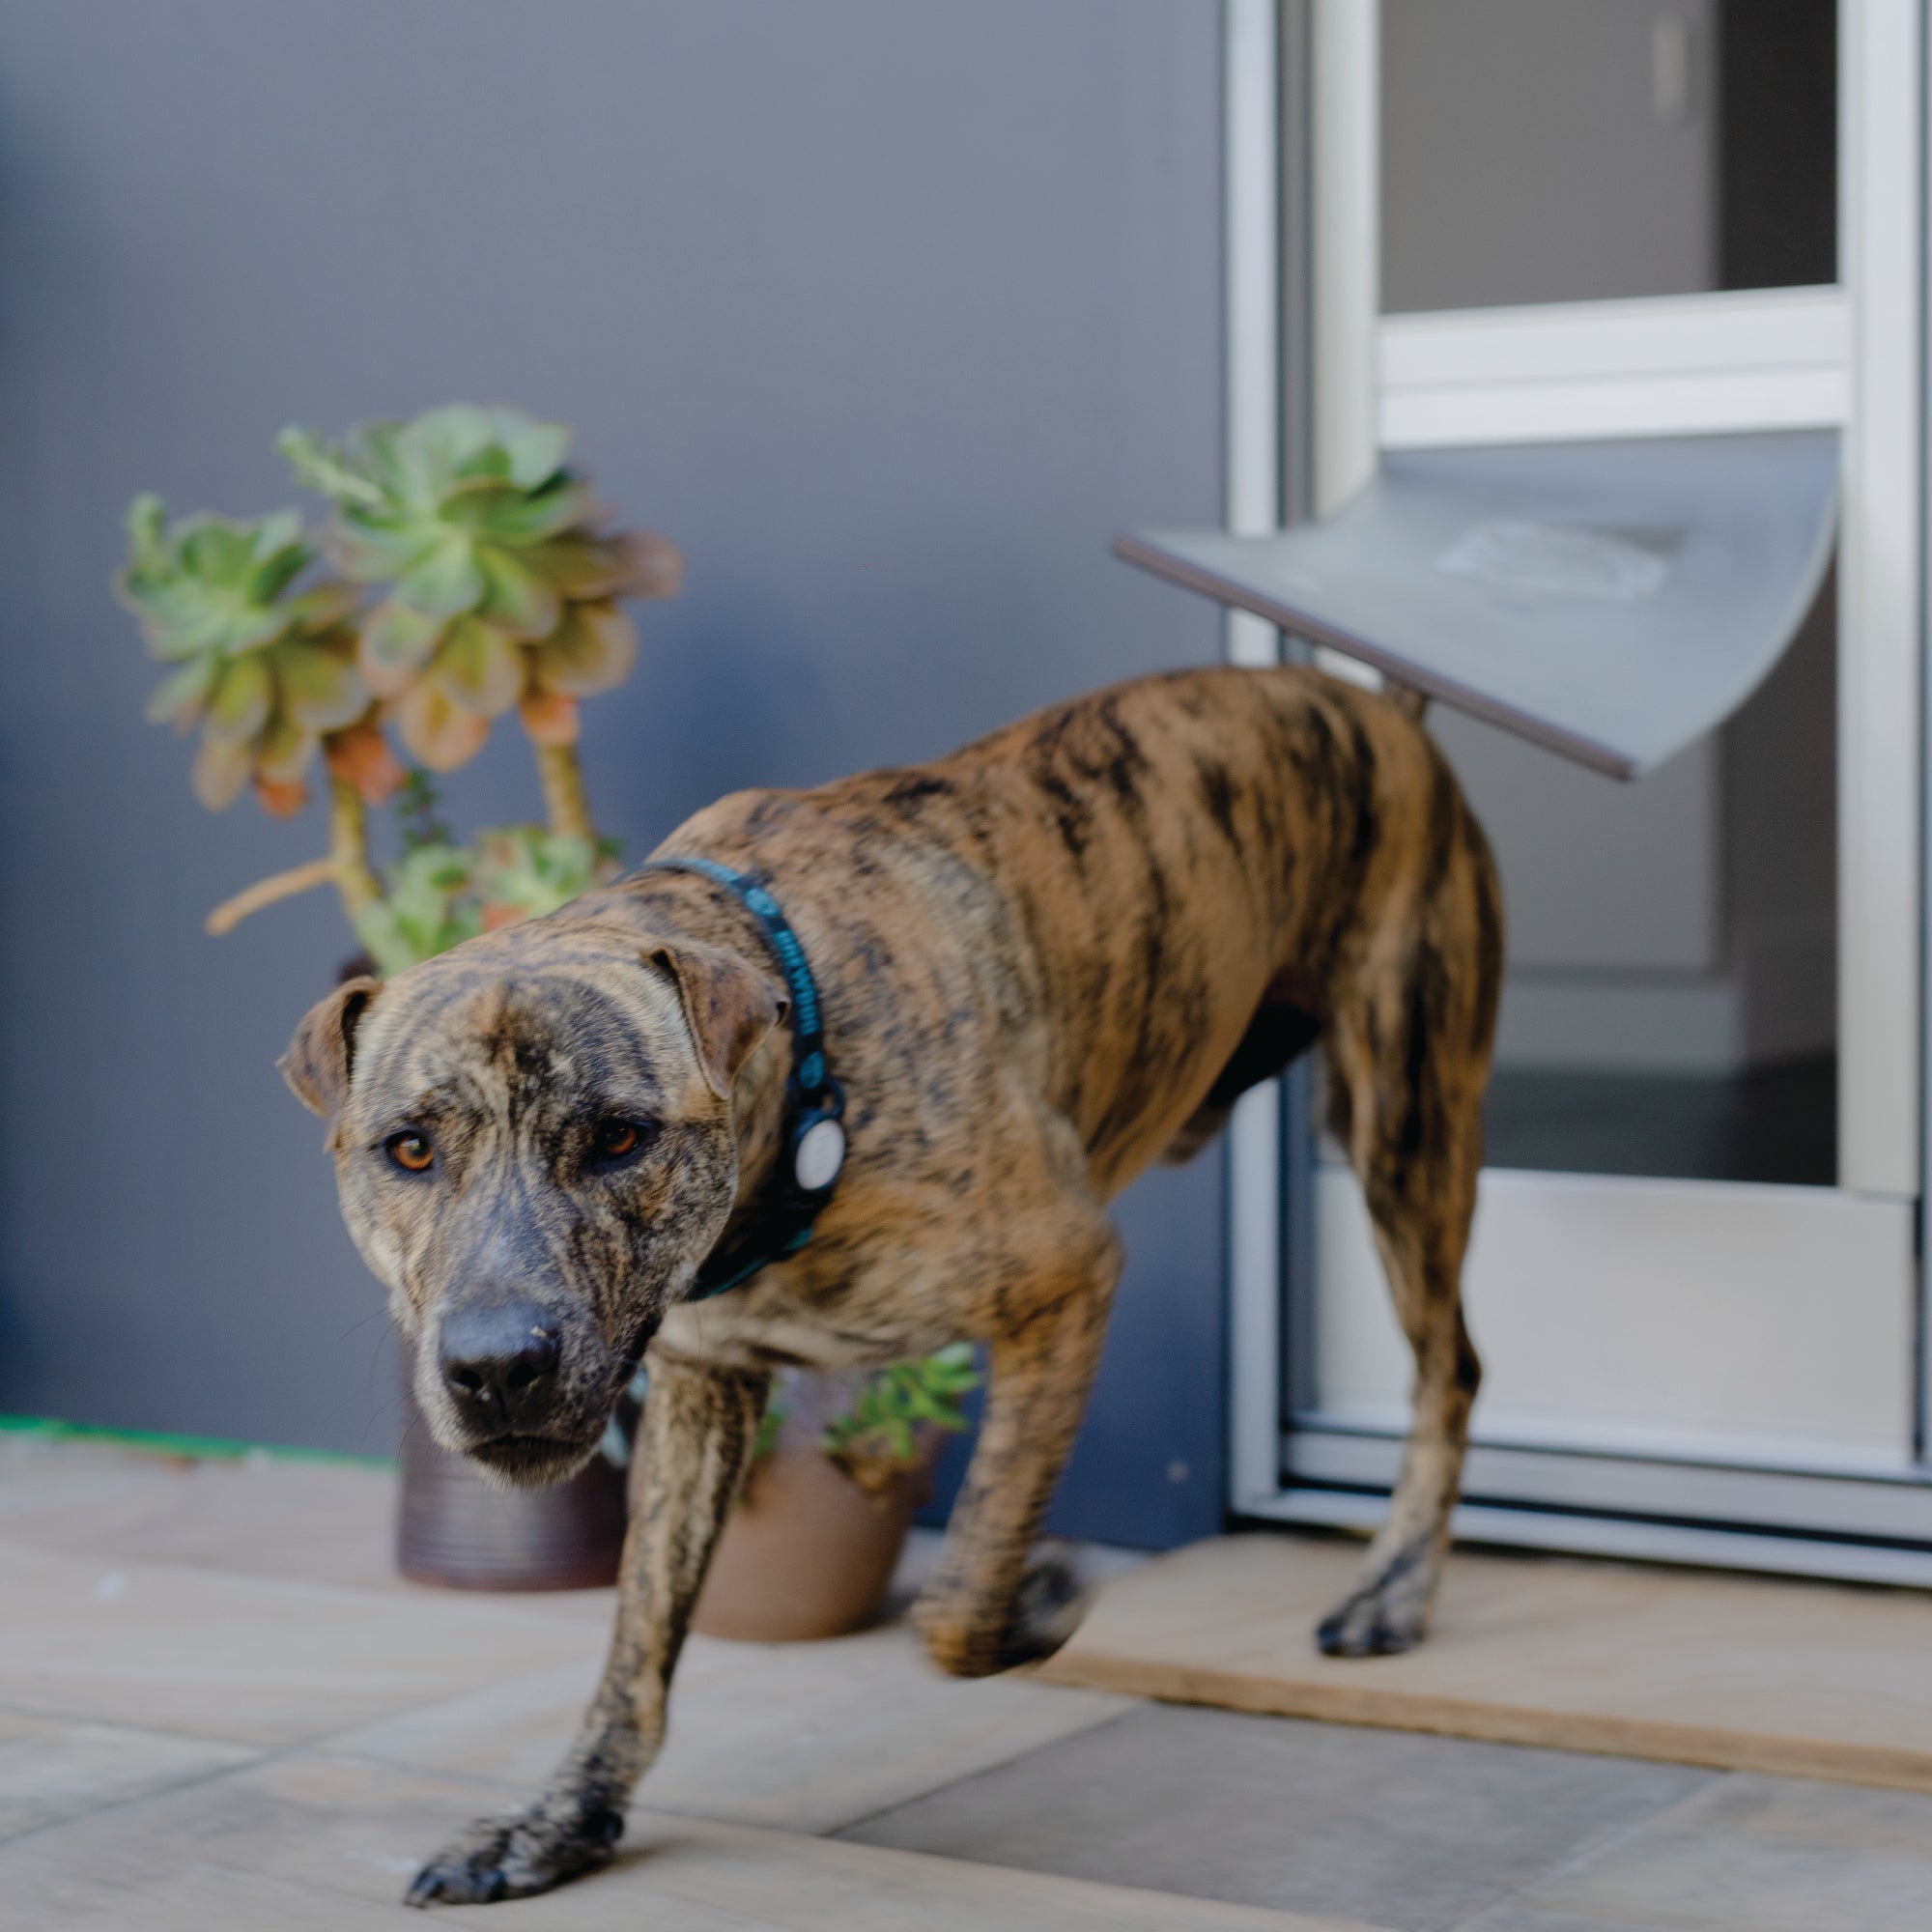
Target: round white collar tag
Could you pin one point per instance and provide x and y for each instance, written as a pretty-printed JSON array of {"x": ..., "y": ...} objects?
[{"x": 818, "y": 1156}]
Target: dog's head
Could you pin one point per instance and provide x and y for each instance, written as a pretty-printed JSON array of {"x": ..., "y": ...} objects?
[{"x": 535, "y": 1151}]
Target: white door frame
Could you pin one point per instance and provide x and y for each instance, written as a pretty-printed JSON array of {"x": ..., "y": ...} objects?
[
  {"x": 1682, "y": 364},
  {"x": 1252, "y": 398}
]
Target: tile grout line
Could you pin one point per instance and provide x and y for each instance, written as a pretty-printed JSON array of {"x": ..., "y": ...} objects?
[
  {"x": 11, "y": 1710},
  {"x": 488, "y": 1603},
  {"x": 313, "y": 1742},
  {"x": 132, "y": 1798},
  {"x": 1580, "y": 1856},
  {"x": 403, "y": 1766},
  {"x": 984, "y": 1771}
]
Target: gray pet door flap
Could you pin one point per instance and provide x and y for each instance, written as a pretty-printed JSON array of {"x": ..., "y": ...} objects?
[{"x": 1611, "y": 601}]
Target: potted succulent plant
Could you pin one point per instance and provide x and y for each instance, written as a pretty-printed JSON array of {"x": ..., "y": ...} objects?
[
  {"x": 840, "y": 1464},
  {"x": 465, "y": 571}
]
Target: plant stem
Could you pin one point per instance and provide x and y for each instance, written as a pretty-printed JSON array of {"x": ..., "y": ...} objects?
[
  {"x": 231, "y": 912},
  {"x": 562, "y": 778},
  {"x": 348, "y": 850}
]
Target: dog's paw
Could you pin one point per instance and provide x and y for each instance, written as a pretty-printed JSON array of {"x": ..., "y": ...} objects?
[
  {"x": 1366, "y": 1627},
  {"x": 1051, "y": 1601},
  {"x": 965, "y": 1637},
  {"x": 515, "y": 1857},
  {"x": 1388, "y": 1611}
]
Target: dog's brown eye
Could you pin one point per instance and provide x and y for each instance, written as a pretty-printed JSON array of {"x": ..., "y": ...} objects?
[
  {"x": 409, "y": 1151},
  {"x": 617, "y": 1140}
]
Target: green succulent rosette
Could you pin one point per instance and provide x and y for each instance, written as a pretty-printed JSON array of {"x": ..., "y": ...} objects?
[
  {"x": 266, "y": 671},
  {"x": 503, "y": 581},
  {"x": 438, "y": 894}
]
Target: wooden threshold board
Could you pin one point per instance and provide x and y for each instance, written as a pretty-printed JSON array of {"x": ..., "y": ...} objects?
[{"x": 1804, "y": 1680}]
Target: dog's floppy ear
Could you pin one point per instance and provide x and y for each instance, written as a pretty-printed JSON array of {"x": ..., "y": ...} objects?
[
  {"x": 319, "y": 1058},
  {"x": 727, "y": 1006}
]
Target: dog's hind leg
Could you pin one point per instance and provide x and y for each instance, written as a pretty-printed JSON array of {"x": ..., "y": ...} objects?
[
  {"x": 988, "y": 1606},
  {"x": 700, "y": 1424},
  {"x": 1409, "y": 1053}
]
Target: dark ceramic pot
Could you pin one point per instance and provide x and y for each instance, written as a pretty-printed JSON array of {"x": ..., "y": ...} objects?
[{"x": 457, "y": 1529}]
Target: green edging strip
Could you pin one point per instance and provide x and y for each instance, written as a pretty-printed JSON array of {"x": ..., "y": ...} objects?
[{"x": 202, "y": 1448}]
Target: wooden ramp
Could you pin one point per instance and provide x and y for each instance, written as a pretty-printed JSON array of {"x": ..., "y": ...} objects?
[{"x": 1806, "y": 1680}]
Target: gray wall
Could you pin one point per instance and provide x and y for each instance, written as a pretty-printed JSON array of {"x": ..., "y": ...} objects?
[{"x": 889, "y": 313}]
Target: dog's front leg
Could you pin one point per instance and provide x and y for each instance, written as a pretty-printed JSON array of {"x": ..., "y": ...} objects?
[
  {"x": 699, "y": 1425},
  {"x": 986, "y": 1608}
]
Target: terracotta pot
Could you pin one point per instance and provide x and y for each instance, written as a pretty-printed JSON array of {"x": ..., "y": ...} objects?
[
  {"x": 457, "y": 1529},
  {"x": 805, "y": 1553}
]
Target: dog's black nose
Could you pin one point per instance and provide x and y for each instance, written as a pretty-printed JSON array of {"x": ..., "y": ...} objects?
[{"x": 496, "y": 1359}]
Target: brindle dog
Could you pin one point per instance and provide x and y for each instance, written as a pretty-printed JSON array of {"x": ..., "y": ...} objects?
[{"x": 1045, "y": 963}]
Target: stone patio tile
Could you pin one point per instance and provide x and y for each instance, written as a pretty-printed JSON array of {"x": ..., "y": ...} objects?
[
  {"x": 249, "y": 1660},
  {"x": 54, "y": 1492},
  {"x": 52, "y": 1768},
  {"x": 1749, "y": 1853},
  {"x": 330, "y": 1522},
  {"x": 1415, "y": 1833},
  {"x": 308, "y": 1845},
  {"x": 806, "y": 1736},
  {"x": 259, "y": 1516}
]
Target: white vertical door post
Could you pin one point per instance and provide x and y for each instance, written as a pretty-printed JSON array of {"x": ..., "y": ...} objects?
[
  {"x": 1251, "y": 190},
  {"x": 1881, "y": 86},
  {"x": 1345, "y": 62},
  {"x": 1345, "y": 184}
]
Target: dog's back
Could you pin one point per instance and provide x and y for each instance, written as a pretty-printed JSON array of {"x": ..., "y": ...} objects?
[{"x": 1149, "y": 897}]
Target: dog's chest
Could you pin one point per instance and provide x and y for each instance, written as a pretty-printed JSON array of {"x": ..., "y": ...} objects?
[{"x": 770, "y": 1322}]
